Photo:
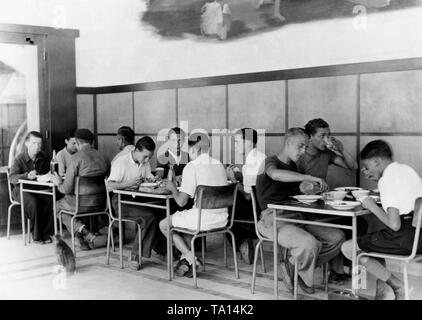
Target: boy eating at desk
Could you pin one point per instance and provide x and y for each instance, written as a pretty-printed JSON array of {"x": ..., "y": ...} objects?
[{"x": 399, "y": 187}]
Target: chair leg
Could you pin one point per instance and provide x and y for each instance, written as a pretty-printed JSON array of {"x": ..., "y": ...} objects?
[
  {"x": 28, "y": 222},
  {"x": 262, "y": 257},
  {"x": 170, "y": 253},
  {"x": 108, "y": 241},
  {"x": 9, "y": 212},
  {"x": 60, "y": 224},
  {"x": 225, "y": 249},
  {"x": 236, "y": 270},
  {"x": 255, "y": 261},
  {"x": 140, "y": 244},
  {"x": 325, "y": 276},
  {"x": 295, "y": 281},
  {"x": 192, "y": 243},
  {"x": 203, "y": 254},
  {"x": 406, "y": 282},
  {"x": 110, "y": 231},
  {"x": 72, "y": 234}
]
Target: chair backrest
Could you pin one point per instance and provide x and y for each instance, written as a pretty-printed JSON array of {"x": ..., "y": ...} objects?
[
  {"x": 91, "y": 192},
  {"x": 213, "y": 197},
  {"x": 417, "y": 223},
  {"x": 255, "y": 210},
  {"x": 9, "y": 185}
]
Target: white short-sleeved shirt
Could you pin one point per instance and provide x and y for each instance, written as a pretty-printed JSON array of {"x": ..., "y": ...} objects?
[
  {"x": 124, "y": 168},
  {"x": 250, "y": 170},
  {"x": 128, "y": 149},
  {"x": 207, "y": 171},
  {"x": 399, "y": 187}
]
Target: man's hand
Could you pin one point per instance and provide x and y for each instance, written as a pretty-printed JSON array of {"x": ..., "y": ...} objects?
[
  {"x": 135, "y": 182},
  {"x": 335, "y": 146},
  {"x": 169, "y": 185},
  {"x": 32, "y": 175},
  {"x": 179, "y": 180},
  {"x": 322, "y": 184},
  {"x": 159, "y": 175},
  {"x": 368, "y": 203},
  {"x": 56, "y": 179}
]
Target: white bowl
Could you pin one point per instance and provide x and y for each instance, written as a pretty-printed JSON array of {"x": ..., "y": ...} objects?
[
  {"x": 360, "y": 194},
  {"x": 149, "y": 184},
  {"x": 307, "y": 198},
  {"x": 336, "y": 195},
  {"x": 343, "y": 205},
  {"x": 347, "y": 189}
]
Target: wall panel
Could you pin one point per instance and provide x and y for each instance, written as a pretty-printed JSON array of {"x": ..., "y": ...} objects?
[
  {"x": 391, "y": 102},
  {"x": 154, "y": 110},
  {"x": 258, "y": 105},
  {"x": 85, "y": 111},
  {"x": 108, "y": 147},
  {"x": 203, "y": 107},
  {"x": 113, "y": 111},
  {"x": 332, "y": 98}
]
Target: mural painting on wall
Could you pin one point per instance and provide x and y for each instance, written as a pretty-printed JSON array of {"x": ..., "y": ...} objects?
[{"x": 230, "y": 19}]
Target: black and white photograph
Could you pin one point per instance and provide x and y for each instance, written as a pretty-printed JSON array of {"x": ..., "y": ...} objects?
[{"x": 226, "y": 151}]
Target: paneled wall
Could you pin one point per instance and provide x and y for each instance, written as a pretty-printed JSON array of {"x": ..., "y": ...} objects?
[{"x": 359, "y": 104}]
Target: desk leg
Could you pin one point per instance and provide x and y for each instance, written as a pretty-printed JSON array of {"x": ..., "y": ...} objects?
[
  {"x": 23, "y": 216},
  {"x": 120, "y": 231},
  {"x": 275, "y": 248},
  {"x": 54, "y": 211},
  {"x": 169, "y": 249},
  {"x": 354, "y": 262}
]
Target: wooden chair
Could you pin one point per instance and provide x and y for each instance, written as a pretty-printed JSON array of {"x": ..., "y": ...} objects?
[
  {"x": 405, "y": 260},
  {"x": 90, "y": 200},
  {"x": 14, "y": 203},
  {"x": 210, "y": 197},
  {"x": 114, "y": 219}
]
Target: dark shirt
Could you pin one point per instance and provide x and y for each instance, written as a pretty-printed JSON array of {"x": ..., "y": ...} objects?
[
  {"x": 87, "y": 162},
  {"x": 272, "y": 191},
  {"x": 23, "y": 164},
  {"x": 166, "y": 159},
  {"x": 316, "y": 164}
]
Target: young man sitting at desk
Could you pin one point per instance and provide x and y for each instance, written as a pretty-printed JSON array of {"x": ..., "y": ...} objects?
[
  {"x": 128, "y": 171},
  {"x": 309, "y": 245},
  {"x": 201, "y": 170},
  {"x": 245, "y": 142},
  {"x": 64, "y": 156},
  {"x": 399, "y": 186},
  {"x": 87, "y": 162},
  {"x": 38, "y": 207}
]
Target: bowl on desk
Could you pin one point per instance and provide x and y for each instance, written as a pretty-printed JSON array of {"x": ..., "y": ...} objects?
[
  {"x": 359, "y": 194},
  {"x": 335, "y": 195},
  {"x": 343, "y": 205},
  {"x": 307, "y": 198},
  {"x": 44, "y": 178}
]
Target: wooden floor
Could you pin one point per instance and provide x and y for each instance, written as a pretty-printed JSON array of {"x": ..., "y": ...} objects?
[{"x": 29, "y": 272}]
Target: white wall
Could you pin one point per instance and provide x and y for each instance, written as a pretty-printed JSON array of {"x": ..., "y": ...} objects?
[{"x": 114, "y": 48}]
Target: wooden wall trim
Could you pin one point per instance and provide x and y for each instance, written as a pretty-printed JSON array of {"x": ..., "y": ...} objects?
[
  {"x": 289, "y": 74},
  {"x": 20, "y": 28}
]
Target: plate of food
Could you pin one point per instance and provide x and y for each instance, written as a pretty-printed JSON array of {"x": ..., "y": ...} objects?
[
  {"x": 307, "y": 198},
  {"x": 149, "y": 184},
  {"x": 343, "y": 205},
  {"x": 347, "y": 189}
]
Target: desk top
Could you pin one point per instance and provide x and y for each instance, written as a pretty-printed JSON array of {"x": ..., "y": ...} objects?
[
  {"x": 36, "y": 183},
  {"x": 145, "y": 192},
  {"x": 320, "y": 208}
]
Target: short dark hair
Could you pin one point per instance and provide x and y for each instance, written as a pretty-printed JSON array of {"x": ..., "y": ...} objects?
[
  {"x": 376, "y": 149},
  {"x": 69, "y": 134},
  {"x": 295, "y": 131},
  {"x": 127, "y": 133},
  {"x": 177, "y": 131},
  {"x": 248, "y": 134},
  {"x": 145, "y": 143},
  {"x": 35, "y": 134},
  {"x": 200, "y": 139},
  {"x": 312, "y": 126}
]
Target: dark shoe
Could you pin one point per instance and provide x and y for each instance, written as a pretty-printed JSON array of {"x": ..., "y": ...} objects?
[
  {"x": 338, "y": 278},
  {"x": 189, "y": 273},
  {"x": 38, "y": 241},
  {"x": 247, "y": 251},
  {"x": 300, "y": 282},
  {"x": 398, "y": 287},
  {"x": 48, "y": 241},
  {"x": 81, "y": 242},
  {"x": 134, "y": 262},
  {"x": 181, "y": 268}
]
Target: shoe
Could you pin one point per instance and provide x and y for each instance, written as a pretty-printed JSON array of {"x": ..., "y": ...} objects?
[
  {"x": 338, "y": 278},
  {"x": 398, "y": 287},
  {"x": 181, "y": 268},
  {"x": 38, "y": 241},
  {"x": 286, "y": 277},
  {"x": 134, "y": 262},
  {"x": 81, "y": 242},
  {"x": 291, "y": 269},
  {"x": 48, "y": 241},
  {"x": 189, "y": 273},
  {"x": 247, "y": 251},
  {"x": 89, "y": 237}
]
